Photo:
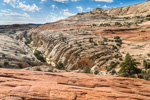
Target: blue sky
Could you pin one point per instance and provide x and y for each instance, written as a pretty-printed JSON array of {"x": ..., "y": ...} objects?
[{"x": 43, "y": 11}]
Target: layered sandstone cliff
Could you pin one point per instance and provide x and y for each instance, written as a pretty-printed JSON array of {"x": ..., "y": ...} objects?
[
  {"x": 74, "y": 47},
  {"x": 142, "y": 8}
]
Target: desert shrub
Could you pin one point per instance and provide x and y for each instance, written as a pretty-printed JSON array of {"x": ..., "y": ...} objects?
[
  {"x": 86, "y": 70},
  {"x": 113, "y": 72},
  {"x": 143, "y": 31},
  {"x": 20, "y": 65},
  {"x": 28, "y": 41},
  {"x": 17, "y": 37},
  {"x": 113, "y": 32},
  {"x": 96, "y": 72},
  {"x": 148, "y": 16},
  {"x": 94, "y": 25},
  {"x": 60, "y": 65},
  {"x": 118, "y": 45},
  {"x": 117, "y": 37},
  {"x": 106, "y": 59},
  {"x": 144, "y": 75},
  {"x": 79, "y": 44},
  {"x": 50, "y": 70},
  {"x": 111, "y": 66},
  {"x": 39, "y": 56},
  {"x": 3, "y": 56},
  {"x": 146, "y": 64},
  {"x": 129, "y": 67},
  {"x": 95, "y": 44},
  {"x": 6, "y": 63},
  {"x": 38, "y": 69},
  {"x": 118, "y": 24},
  {"x": 91, "y": 40},
  {"x": 1, "y": 65}
]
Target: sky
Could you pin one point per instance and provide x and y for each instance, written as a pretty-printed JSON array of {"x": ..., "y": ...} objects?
[{"x": 45, "y": 11}]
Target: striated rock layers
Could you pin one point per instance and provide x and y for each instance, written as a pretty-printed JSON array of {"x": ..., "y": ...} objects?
[
  {"x": 142, "y": 8},
  {"x": 28, "y": 85},
  {"x": 75, "y": 48}
]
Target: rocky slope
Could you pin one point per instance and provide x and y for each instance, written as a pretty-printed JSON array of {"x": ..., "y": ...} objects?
[
  {"x": 14, "y": 53},
  {"x": 142, "y": 8},
  {"x": 137, "y": 9},
  {"x": 74, "y": 47},
  {"x": 28, "y": 85}
]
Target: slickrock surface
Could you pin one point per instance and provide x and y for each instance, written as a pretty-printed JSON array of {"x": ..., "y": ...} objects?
[{"x": 29, "y": 85}]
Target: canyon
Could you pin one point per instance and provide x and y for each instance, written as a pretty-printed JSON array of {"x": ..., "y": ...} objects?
[{"x": 94, "y": 42}]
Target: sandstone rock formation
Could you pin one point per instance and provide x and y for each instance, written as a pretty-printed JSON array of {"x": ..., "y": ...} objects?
[
  {"x": 28, "y": 85},
  {"x": 74, "y": 47},
  {"x": 142, "y": 8},
  {"x": 14, "y": 54}
]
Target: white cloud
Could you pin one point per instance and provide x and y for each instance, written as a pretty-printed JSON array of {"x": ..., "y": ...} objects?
[
  {"x": 75, "y": 0},
  {"x": 104, "y": 1},
  {"x": 9, "y": 17},
  {"x": 53, "y": 7},
  {"x": 105, "y": 6},
  {"x": 11, "y": 2},
  {"x": 98, "y": 5},
  {"x": 66, "y": 13},
  {"x": 25, "y": 7},
  {"x": 5, "y": 11},
  {"x": 22, "y": 5},
  {"x": 62, "y": 1},
  {"x": 121, "y": 3},
  {"x": 53, "y": 17},
  {"x": 80, "y": 9},
  {"x": 65, "y": 10},
  {"x": 89, "y": 8},
  {"x": 43, "y": 1},
  {"x": 14, "y": 16}
]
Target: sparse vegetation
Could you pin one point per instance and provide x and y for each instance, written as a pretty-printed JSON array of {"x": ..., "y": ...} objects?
[
  {"x": 39, "y": 56},
  {"x": 111, "y": 66},
  {"x": 91, "y": 40},
  {"x": 38, "y": 69},
  {"x": 129, "y": 67},
  {"x": 6, "y": 63},
  {"x": 86, "y": 70},
  {"x": 146, "y": 64},
  {"x": 60, "y": 65}
]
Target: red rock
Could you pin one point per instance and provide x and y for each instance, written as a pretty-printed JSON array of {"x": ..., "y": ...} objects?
[{"x": 34, "y": 85}]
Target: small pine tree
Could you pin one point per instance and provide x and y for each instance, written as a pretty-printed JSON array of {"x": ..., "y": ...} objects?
[{"x": 129, "y": 67}]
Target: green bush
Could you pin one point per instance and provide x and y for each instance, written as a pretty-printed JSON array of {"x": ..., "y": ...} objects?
[
  {"x": 111, "y": 66},
  {"x": 146, "y": 64},
  {"x": 60, "y": 65},
  {"x": 86, "y": 70},
  {"x": 91, "y": 40},
  {"x": 148, "y": 16},
  {"x": 113, "y": 72},
  {"x": 50, "y": 70},
  {"x": 6, "y": 63},
  {"x": 117, "y": 37},
  {"x": 38, "y": 69},
  {"x": 129, "y": 67},
  {"x": 39, "y": 56},
  {"x": 96, "y": 72},
  {"x": 28, "y": 41}
]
